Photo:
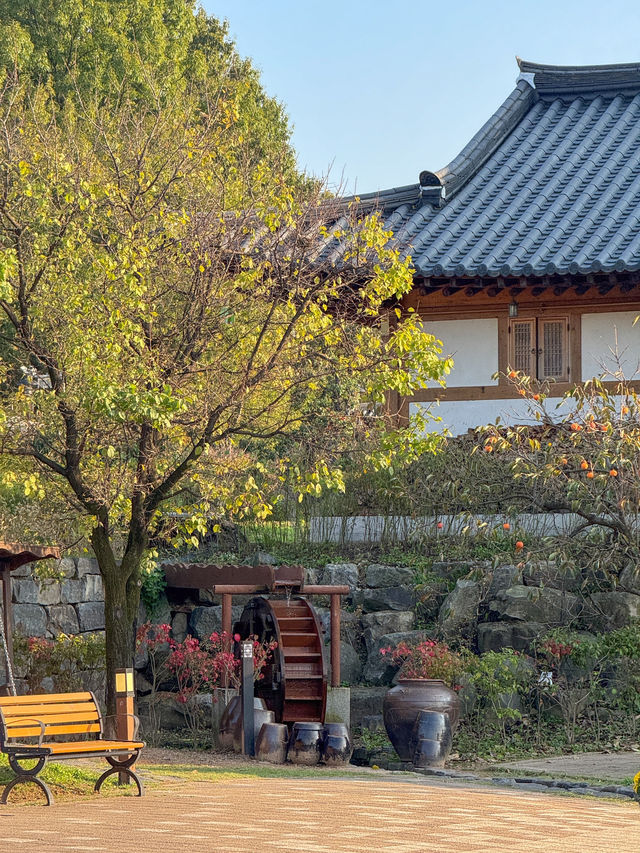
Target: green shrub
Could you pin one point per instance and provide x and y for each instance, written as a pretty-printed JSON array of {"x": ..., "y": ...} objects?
[{"x": 70, "y": 661}]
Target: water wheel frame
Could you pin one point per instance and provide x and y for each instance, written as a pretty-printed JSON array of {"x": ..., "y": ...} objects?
[{"x": 294, "y": 683}]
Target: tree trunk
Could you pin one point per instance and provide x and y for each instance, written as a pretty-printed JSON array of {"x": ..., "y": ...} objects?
[{"x": 121, "y": 600}]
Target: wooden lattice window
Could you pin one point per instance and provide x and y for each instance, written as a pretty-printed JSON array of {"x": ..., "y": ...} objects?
[{"x": 540, "y": 347}]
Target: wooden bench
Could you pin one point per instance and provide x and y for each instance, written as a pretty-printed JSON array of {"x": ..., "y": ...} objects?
[{"x": 47, "y": 718}]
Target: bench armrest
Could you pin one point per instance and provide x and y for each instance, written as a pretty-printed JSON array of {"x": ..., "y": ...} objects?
[
  {"x": 21, "y": 720},
  {"x": 134, "y": 717}
]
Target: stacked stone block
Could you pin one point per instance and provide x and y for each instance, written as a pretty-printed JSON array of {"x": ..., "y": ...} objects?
[{"x": 73, "y": 605}]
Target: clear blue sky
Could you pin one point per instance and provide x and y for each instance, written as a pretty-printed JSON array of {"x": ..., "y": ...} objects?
[{"x": 378, "y": 91}]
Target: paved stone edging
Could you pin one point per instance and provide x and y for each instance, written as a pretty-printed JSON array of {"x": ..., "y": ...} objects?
[{"x": 535, "y": 783}]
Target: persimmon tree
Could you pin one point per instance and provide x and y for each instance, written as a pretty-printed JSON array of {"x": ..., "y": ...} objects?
[
  {"x": 580, "y": 459},
  {"x": 168, "y": 309}
]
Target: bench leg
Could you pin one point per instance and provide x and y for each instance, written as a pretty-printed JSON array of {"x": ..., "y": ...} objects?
[
  {"x": 24, "y": 775},
  {"x": 121, "y": 767}
]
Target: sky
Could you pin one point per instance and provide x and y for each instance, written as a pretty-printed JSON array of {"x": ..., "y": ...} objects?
[{"x": 379, "y": 91}]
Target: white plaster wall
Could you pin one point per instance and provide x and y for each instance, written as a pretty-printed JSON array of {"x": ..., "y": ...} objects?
[
  {"x": 460, "y": 416},
  {"x": 604, "y": 335},
  {"x": 473, "y": 345}
]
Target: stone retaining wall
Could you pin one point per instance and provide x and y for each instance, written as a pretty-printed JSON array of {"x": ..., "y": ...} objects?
[{"x": 46, "y": 608}]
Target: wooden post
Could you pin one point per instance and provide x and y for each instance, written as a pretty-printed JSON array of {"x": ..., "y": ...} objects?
[
  {"x": 335, "y": 640},
  {"x": 8, "y": 613},
  {"x": 226, "y": 628},
  {"x": 248, "y": 728},
  {"x": 125, "y": 722}
]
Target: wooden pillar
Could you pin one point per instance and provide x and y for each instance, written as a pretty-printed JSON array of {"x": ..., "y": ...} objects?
[
  {"x": 335, "y": 640},
  {"x": 226, "y": 628},
  {"x": 7, "y": 611}
]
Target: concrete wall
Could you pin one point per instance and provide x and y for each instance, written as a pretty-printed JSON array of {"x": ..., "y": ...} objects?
[
  {"x": 604, "y": 336},
  {"x": 460, "y": 416},
  {"x": 473, "y": 345}
]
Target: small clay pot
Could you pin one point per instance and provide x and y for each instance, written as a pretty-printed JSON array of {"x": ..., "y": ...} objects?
[
  {"x": 271, "y": 743},
  {"x": 305, "y": 743},
  {"x": 432, "y": 738},
  {"x": 337, "y": 747}
]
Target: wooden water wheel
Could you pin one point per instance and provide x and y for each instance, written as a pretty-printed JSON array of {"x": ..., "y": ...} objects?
[{"x": 294, "y": 686}]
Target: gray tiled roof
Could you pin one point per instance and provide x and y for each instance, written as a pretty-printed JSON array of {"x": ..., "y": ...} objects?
[{"x": 549, "y": 185}]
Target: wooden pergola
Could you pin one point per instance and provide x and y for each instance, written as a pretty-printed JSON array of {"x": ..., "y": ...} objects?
[
  {"x": 230, "y": 580},
  {"x": 12, "y": 556}
]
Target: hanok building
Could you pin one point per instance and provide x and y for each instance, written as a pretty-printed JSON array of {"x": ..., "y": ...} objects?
[{"x": 527, "y": 245}]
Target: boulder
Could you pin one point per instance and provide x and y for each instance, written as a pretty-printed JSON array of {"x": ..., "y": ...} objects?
[
  {"x": 495, "y": 636},
  {"x": 383, "y": 622},
  {"x": 340, "y": 574},
  {"x": 350, "y": 630},
  {"x": 164, "y": 708},
  {"x": 161, "y": 614},
  {"x": 459, "y": 612},
  {"x": 607, "y": 611},
  {"x": 93, "y": 589},
  {"x": 141, "y": 659},
  {"x": 629, "y": 579},
  {"x": 502, "y": 577},
  {"x": 551, "y": 607},
  {"x": 385, "y": 598},
  {"x": 30, "y": 620},
  {"x": 66, "y": 566},
  {"x": 350, "y": 663},
  {"x": 179, "y": 626},
  {"x": 203, "y": 621},
  {"x": 379, "y": 669},
  {"x": 91, "y": 615},
  {"x": 366, "y": 702},
  {"x": 48, "y": 592},
  {"x": 72, "y": 591},
  {"x": 63, "y": 619},
  {"x": 549, "y": 574},
  {"x": 377, "y": 576},
  {"x": 87, "y": 566},
  {"x": 24, "y": 591},
  {"x": 143, "y": 687}
]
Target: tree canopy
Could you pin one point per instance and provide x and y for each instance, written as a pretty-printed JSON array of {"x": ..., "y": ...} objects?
[{"x": 166, "y": 309}]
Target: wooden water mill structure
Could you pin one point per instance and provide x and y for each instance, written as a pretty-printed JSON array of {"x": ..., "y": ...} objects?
[{"x": 294, "y": 685}]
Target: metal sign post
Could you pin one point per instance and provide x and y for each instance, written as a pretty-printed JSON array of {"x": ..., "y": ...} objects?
[{"x": 247, "y": 699}]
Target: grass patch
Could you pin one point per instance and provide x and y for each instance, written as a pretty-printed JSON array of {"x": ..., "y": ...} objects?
[{"x": 66, "y": 782}]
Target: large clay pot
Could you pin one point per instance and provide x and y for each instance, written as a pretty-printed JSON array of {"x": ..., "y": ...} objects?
[
  {"x": 305, "y": 743},
  {"x": 271, "y": 743},
  {"x": 231, "y": 721},
  {"x": 260, "y": 717},
  {"x": 432, "y": 739},
  {"x": 337, "y": 747},
  {"x": 403, "y": 703}
]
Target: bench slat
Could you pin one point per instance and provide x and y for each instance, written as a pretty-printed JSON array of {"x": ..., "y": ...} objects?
[
  {"x": 88, "y": 709},
  {"x": 93, "y": 746},
  {"x": 50, "y": 719},
  {"x": 35, "y": 731},
  {"x": 45, "y": 699}
]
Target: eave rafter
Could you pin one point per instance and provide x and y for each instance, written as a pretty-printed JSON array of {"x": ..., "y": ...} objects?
[{"x": 515, "y": 285}]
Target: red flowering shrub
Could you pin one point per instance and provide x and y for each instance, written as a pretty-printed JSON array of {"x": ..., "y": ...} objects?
[
  {"x": 198, "y": 667},
  {"x": 426, "y": 659}
]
